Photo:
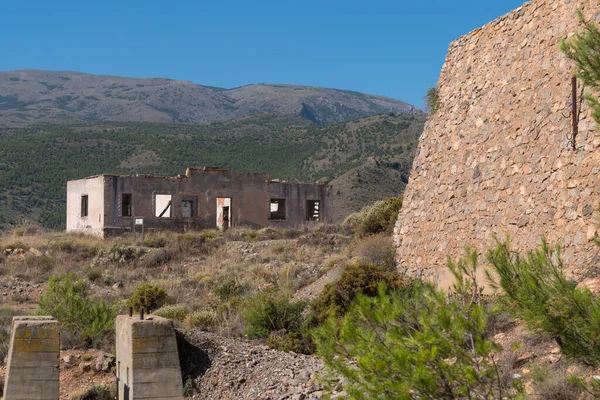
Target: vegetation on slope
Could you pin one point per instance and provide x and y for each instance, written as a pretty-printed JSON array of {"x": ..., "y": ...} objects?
[
  {"x": 383, "y": 332},
  {"x": 35, "y": 163}
]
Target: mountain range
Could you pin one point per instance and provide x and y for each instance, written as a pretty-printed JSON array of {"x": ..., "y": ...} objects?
[
  {"x": 57, "y": 126},
  {"x": 33, "y": 97}
]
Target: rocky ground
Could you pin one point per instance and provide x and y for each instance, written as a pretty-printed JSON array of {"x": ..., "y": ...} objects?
[
  {"x": 238, "y": 369},
  {"x": 221, "y": 368}
]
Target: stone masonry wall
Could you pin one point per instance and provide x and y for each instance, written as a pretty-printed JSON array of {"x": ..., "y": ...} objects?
[{"x": 495, "y": 159}]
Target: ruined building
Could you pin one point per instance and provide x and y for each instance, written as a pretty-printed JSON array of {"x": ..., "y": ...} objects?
[
  {"x": 202, "y": 198},
  {"x": 497, "y": 158}
]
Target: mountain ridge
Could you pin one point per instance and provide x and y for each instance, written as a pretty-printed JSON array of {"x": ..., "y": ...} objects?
[{"x": 37, "y": 97}]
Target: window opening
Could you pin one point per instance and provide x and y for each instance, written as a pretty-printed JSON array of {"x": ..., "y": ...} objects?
[
  {"x": 126, "y": 205},
  {"x": 189, "y": 206},
  {"x": 313, "y": 210},
  {"x": 84, "y": 206},
  {"x": 163, "y": 206},
  {"x": 277, "y": 208}
]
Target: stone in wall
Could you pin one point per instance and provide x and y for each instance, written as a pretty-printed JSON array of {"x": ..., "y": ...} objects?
[
  {"x": 495, "y": 160},
  {"x": 32, "y": 371}
]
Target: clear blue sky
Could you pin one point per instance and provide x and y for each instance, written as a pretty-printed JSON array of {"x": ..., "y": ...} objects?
[{"x": 392, "y": 48}]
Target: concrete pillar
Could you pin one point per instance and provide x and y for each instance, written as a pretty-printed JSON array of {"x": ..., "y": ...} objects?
[
  {"x": 147, "y": 359},
  {"x": 32, "y": 372}
]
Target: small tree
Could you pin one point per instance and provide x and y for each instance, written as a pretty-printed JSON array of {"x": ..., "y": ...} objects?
[
  {"x": 67, "y": 300},
  {"x": 538, "y": 292},
  {"x": 584, "y": 49},
  {"x": 415, "y": 344},
  {"x": 148, "y": 297}
]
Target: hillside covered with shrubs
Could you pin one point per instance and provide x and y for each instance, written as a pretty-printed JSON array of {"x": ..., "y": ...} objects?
[{"x": 332, "y": 291}]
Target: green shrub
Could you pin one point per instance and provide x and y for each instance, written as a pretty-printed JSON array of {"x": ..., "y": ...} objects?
[
  {"x": 290, "y": 341},
  {"x": 380, "y": 217},
  {"x": 265, "y": 313},
  {"x": 116, "y": 255},
  {"x": 155, "y": 258},
  {"x": 96, "y": 392},
  {"x": 203, "y": 318},
  {"x": 414, "y": 344},
  {"x": 27, "y": 229},
  {"x": 72, "y": 247},
  {"x": 68, "y": 301},
  {"x": 210, "y": 234},
  {"x": 228, "y": 288},
  {"x": 432, "y": 100},
  {"x": 16, "y": 245},
  {"x": 358, "y": 277},
  {"x": 538, "y": 292},
  {"x": 155, "y": 241},
  {"x": 148, "y": 297},
  {"x": 94, "y": 274},
  {"x": 176, "y": 312}
]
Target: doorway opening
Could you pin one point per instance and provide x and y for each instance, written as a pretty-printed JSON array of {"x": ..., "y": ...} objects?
[{"x": 223, "y": 213}]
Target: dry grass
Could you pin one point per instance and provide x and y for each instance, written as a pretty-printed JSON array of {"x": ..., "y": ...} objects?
[
  {"x": 209, "y": 276},
  {"x": 209, "y": 272}
]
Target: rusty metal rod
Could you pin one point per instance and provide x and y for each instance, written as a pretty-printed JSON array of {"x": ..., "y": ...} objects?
[{"x": 574, "y": 111}]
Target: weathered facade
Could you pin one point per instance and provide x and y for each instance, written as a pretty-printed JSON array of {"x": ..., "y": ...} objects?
[
  {"x": 202, "y": 198},
  {"x": 497, "y": 157}
]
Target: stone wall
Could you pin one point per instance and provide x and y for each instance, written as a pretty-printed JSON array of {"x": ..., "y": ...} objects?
[
  {"x": 495, "y": 158},
  {"x": 32, "y": 371}
]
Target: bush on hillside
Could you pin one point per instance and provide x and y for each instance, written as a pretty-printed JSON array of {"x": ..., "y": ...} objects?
[
  {"x": 416, "y": 343},
  {"x": 148, "y": 297},
  {"x": 291, "y": 341},
  {"x": 116, "y": 255},
  {"x": 96, "y": 392},
  {"x": 380, "y": 217},
  {"x": 175, "y": 312},
  {"x": 67, "y": 300},
  {"x": 204, "y": 319},
  {"x": 358, "y": 277},
  {"x": 228, "y": 288},
  {"x": 376, "y": 249},
  {"x": 265, "y": 313},
  {"x": 27, "y": 229},
  {"x": 538, "y": 292}
]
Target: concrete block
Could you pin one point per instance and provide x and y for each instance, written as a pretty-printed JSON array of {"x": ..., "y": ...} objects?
[
  {"x": 32, "y": 371},
  {"x": 147, "y": 359}
]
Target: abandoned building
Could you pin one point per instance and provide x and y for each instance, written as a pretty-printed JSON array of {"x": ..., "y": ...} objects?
[{"x": 202, "y": 198}]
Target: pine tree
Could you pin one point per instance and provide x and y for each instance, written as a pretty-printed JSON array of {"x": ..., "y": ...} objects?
[
  {"x": 584, "y": 49},
  {"x": 418, "y": 343}
]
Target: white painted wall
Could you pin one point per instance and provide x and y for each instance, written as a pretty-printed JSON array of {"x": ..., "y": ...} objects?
[{"x": 94, "y": 222}]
